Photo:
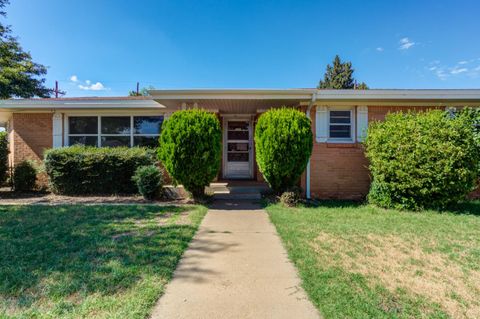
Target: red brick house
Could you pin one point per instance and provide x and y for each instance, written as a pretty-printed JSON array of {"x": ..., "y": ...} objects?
[{"x": 337, "y": 168}]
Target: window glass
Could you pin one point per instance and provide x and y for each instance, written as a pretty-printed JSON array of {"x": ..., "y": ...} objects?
[
  {"x": 146, "y": 141},
  {"x": 83, "y": 140},
  {"x": 147, "y": 124},
  {"x": 115, "y": 124},
  {"x": 340, "y": 117},
  {"x": 83, "y": 125},
  {"x": 340, "y": 131},
  {"x": 115, "y": 141},
  {"x": 238, "y": 147},
  {"x": 237, "y": 157},
  {"x": 340, "y": 124}
]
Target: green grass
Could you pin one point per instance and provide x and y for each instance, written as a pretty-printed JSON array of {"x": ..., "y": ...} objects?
[
  {"x": 89, "y": 261},
  {"x": 358, "y": 261}
]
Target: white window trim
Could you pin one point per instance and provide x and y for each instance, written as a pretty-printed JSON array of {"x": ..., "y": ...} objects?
[
  {"x": 352, "y": 125},
  {"x": 99, "y": 133}
]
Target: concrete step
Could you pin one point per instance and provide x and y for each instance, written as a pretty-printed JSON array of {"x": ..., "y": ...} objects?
[
  {"x": 236, "y": 189},
  {"x": 237, "y": 196}
]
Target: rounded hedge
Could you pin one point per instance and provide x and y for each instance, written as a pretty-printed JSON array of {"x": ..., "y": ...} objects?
[
  {"x": 421, "y": 160},
  {"x": 3, "y": 157},
  {"x": 190, "y": 148},
  {"x": 149, "y": 180},
  {"x": 283, "y": 143},
  {"x": 25, "y": 176}
]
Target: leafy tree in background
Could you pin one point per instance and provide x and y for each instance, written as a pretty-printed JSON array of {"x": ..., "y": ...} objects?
[
  {"x": 19, "y": 75},
  {"x": 340, "y": 76},
  {"x": 142, "y": 92}
]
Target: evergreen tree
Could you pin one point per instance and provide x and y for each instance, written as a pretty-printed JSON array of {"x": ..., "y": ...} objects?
[
  {"x": 19, "y": 75},
  {"x": 340, "y": 76}
]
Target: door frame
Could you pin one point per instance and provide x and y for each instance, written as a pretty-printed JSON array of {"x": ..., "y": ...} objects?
[{"x": 233, "y": 118}]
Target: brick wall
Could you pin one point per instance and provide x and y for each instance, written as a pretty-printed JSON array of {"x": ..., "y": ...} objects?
[{"x": 31, "y": 134}]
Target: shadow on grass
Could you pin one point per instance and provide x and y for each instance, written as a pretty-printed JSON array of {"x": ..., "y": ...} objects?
[
  {"x": 63, "y": 250},
  {"x": 467, "y": 208},
  {"x": 471, "y": 207}
]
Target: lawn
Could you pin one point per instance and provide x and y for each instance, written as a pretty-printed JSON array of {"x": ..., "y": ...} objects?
[
  {"x": 89, "y": 261},
  {"x": 358, "y": 261}
]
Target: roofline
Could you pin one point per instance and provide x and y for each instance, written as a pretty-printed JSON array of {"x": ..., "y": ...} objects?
[
  {"x": 326, "y": 95},
  {"x": 80, "y": 103},
  {"x": 238, "y": 94},
  {"x": 400, "y": 94}
]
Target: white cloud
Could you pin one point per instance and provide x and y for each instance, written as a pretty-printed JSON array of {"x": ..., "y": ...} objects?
[
  {"x": 460, "y": 69},
  {"x": 441, "y": 74},
  {"x": 93, "y": 87},
  {"x": 74, "y": 78},
  {"x": 457, "y": 70},
  {"x": 379, "y": 49},
  {"x": 88, "y": 82},
  {"x": 405, "y": 44}
]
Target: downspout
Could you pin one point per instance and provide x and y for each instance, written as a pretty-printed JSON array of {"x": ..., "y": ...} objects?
[{"x": 307, "y": 173}]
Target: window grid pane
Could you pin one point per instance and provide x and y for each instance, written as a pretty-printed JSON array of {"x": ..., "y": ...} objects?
[
  {"x": 83, "y": 125},
  {"x": 147, "y": 124},
  {"x": 115, "y": 124},
  {"x": 340, "y": 124},
  {"x": 114, "y": 130}
]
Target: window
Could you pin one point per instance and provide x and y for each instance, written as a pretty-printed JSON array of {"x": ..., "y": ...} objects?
[
  {"x": 340, "y": 124},
  {"x": 83, "y": 130},
  {"x": 114, "y": 131}
]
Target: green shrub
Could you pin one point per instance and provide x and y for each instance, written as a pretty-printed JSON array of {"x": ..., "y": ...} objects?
[
  {"x": 149, "y": 180},
  {"x": 283, "y": 142},
  {"x": 77, "y": 170},
  {"x": 3, "y": 156},
  {"x": 421, "y": 160},
  {"x": 190, "y": 149},
  {"x": 24, "y": 176}
]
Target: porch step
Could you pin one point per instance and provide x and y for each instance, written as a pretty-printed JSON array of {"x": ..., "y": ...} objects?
[
  {"x": 237, "y": 190},
  {"x": 238, "y": 196}
]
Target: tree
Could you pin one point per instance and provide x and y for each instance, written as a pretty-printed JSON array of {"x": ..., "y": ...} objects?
[
  {"x": 19, "y": 75},
  {"x": 283, "y": 143},
  {"x": 191, "y": 149},
  {"x": 340, "y": 76},
  {"x": 142, "y": 92}
]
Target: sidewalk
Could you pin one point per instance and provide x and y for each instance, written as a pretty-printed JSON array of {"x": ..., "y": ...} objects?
[{"x": 235, "y": 267}]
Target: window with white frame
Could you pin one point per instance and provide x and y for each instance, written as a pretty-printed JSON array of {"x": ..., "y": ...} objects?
[
  {"x": 114, "y": 131},
  {"x": 340, "y": 125}
]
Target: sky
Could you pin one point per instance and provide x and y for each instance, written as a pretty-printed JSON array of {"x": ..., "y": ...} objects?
[{"x": 103, "y": 47}]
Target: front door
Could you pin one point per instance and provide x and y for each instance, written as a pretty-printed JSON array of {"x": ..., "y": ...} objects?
[{"x": 237, "y": 151}]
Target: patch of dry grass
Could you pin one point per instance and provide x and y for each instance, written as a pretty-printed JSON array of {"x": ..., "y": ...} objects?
[
  {"x": 402, "y": 264},
  {"x": 359, "y": 261}
]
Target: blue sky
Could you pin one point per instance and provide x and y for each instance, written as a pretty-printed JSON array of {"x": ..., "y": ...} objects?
[{"x": 103, "y": 47}]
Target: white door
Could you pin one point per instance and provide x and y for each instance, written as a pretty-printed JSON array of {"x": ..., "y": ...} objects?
[{"x": 237, "y": 151}]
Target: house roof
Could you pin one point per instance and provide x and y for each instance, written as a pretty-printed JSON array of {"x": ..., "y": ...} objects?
[
  {"x": 81, "y": 103},
  {"x": 400, "y": 94},
  {"x": 237, "y": 100}
]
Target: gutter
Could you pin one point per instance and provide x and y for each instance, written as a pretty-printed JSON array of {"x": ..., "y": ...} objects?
[{"x": 307, "y": 172}]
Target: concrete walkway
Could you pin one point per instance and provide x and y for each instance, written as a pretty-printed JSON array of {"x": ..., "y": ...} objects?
[{"x": 235, "y": 267}]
